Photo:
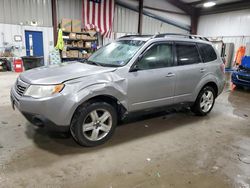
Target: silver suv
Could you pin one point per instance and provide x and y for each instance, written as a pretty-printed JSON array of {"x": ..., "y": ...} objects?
[{"x": 132, "y": 74}]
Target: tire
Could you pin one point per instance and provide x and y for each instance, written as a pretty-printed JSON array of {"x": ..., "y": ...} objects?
[
  {"x": 93, "y": 123},
  {"x": 203, "y": 105}
]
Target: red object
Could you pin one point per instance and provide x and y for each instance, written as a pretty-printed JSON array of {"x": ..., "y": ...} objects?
[
  {"x": 18, "y": 65},
  {"x": 98, "y": 15}
]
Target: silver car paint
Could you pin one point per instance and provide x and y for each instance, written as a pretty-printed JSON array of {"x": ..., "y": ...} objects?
[{"x": 134, "y": 90}]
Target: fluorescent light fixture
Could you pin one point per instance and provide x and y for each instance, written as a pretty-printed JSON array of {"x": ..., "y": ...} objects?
[{"x": 209, "y": 4}]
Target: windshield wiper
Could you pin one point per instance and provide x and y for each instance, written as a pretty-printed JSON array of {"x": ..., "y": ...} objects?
[
  {"x": 92, "y": 63},
  {"x": 110, "y": 65}
]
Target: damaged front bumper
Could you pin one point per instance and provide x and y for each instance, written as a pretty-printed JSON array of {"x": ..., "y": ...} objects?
[{"x": 42, "y": 112}]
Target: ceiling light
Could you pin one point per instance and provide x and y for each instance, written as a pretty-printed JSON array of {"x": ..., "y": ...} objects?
[{"x": 209, "y": 4}]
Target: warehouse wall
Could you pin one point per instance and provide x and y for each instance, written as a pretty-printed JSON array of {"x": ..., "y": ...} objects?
[
  {"x": 163, "y": 4},
  {"x": 230, "y": 27},
  {"x": 126, "y": 21},
  {"x": 153, "y": 26},
  {"x": 25, "y": 11},
  {"x": 69, "y": 9},
  {"x": 7, "y": 32}
]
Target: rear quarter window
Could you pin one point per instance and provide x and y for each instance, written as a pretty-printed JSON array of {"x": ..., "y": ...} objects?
[{"x": 207, "y": 52}]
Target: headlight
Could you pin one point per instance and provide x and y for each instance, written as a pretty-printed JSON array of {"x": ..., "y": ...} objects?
[{"x": 40, "y": 91}]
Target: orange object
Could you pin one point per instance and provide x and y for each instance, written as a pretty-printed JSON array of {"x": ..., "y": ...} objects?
[
  {"x": 239, "y": 55},
  {"x": 18, "y": 65}
]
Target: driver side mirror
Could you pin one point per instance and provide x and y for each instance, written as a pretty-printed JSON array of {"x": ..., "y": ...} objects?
[{"x": 135, "y": 66}]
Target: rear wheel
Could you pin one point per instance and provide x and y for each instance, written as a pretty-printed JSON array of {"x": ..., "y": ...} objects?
[
  {"x": 93, "y": 123},
  {"x": 204, "y": 102}
]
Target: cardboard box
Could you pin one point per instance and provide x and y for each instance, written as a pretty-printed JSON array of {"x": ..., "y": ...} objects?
[
  {"x": 64, "y": 54},
  {"x": 84, "y": 37},
  {"x": 76, "y": 25},
  {"x": 74, "y": 44},
  {"x": 78, "y": 36},
  {"x": 87, "y": 44},
  {"x": 72, "y": 35},
  {"x": 74, "y": 53},
  {"x": 68, "y": 54},
  {"x": 66, "y": 24},
  {"x": 87, "y": 55},
  {"x": 80, "y": 44},
  {"x": 80, "y": 55}
]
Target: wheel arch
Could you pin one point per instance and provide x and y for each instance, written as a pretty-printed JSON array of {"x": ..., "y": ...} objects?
[
  {"x": 213, "y": 85},
  {"x": 121, "y": 110}
]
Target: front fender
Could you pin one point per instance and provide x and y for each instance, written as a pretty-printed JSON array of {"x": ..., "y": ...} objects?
[{"x": 110, "y": 85}]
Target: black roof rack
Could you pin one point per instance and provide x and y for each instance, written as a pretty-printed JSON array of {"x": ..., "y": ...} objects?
[
  {"x": 182, "y": 35},
  {"x": 126, "y": 36}
]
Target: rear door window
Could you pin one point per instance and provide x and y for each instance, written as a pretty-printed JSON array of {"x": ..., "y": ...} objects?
[
  {"x": 187, "y": 54},
  {"x": 207, "y": 52}
]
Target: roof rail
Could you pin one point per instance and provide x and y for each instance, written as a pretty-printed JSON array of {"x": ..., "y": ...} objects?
[
  {"x": 126, "y": 36},
  {"x": 182, "y": 35}
]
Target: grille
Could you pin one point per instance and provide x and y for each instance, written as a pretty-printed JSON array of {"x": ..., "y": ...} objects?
[
  {"x": 20, "y": 87},
  {"x": 246, "y": 78}
]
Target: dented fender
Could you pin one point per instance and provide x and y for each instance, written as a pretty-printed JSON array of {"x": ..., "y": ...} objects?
[{"x": 109, "y": 84}]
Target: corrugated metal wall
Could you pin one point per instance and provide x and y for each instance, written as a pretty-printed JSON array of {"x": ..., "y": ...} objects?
[
  {"x": 24, "y": 11},
  {"x": 231, "y": 27},
  {"x": 225, "y": 24},
  {"x": 153, "y": 26},
  {"x": 126, "y": 21},
  {"x": 69, "y": 9}
]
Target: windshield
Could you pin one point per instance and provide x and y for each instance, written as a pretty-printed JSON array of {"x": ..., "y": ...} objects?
[{"x": 116, "y": 53}]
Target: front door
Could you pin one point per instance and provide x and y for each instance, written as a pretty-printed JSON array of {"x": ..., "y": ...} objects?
[
  {"x": 153, "y": 82},
  {"x": 34, "y": 43}
]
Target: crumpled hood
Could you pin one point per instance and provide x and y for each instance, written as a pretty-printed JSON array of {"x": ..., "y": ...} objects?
[{"x": 55, "y": 74}]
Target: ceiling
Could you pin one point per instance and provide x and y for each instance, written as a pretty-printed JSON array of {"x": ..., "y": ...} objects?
[
  {"x": 221, "y": 5},
  {"x": 199, "y": 3}
]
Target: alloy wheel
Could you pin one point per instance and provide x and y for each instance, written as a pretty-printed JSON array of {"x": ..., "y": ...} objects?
[{"x": 97, "y": 124}]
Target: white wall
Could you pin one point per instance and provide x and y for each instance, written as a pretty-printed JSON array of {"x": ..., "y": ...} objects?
[
  {"x": 234, "y": 23},
  {"x": 7, "y": 32},
  {"x": 230, "y": 27}
]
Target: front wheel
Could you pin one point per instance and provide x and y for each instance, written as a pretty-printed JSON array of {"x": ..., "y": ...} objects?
[
  {"x": 93, "y": 123},
  {"x": 204, "y": 102}
]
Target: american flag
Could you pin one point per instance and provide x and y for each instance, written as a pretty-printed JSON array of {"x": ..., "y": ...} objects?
[{"x": 98, "y": 14}]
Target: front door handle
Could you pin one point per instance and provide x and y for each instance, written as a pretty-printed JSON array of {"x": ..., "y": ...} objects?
[
  {"x": 170, "y": 74},
  {"x": 202, "y": 70}
]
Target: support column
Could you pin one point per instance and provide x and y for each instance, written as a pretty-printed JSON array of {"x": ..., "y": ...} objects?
[
  {"x": 54, "y": 19},
  {"x": 140, "y": 16},
  {"x": 194, "y": 22}
]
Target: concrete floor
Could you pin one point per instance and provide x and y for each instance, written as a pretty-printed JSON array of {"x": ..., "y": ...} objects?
[{"x": 168, "y": 150}]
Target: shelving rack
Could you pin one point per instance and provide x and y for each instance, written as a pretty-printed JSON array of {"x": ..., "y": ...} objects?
[{"x": 78, "y": 45}]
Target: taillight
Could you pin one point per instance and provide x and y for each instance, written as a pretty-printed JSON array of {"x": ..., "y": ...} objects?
[{"x": 222, "y": 67}]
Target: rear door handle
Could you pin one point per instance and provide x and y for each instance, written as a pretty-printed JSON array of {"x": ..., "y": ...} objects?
[
  {"x": 202, "y": 70},
  {"x": 170, "y": 74}
]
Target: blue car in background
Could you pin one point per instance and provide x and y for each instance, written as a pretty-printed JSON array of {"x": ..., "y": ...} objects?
[{"x": 241, "y": 76}]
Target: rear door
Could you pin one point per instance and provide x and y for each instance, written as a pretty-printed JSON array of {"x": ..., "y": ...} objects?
[
  {"x": 152, "y": 85},
  {"x": 189, "y": 71}
]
